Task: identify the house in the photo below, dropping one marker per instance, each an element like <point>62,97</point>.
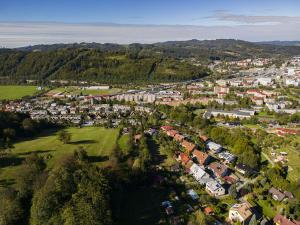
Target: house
<point>184,158</point>
<point>214,147</point>
<point>219,169</point>
<point>276,194</point>
<point>240,213</point>
<point>208,211</point>
<point>193,194</point>
<point>203,138</point>
<point>202,157</point>
<point>178,137</point>
<point>198,173</point>
<point>172,133</point>
<point>285,131</point>
<point>227,156</point>
<point>166,128</point>
<point>282,220</point>
<point>189,147</point>
<point>243,169</point>
<point>214,188</point>
<point>137,138</point>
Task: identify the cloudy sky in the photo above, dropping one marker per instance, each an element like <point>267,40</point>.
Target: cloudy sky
<point>28,22</point>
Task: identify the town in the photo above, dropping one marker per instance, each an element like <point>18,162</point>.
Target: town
<point>230,138</point>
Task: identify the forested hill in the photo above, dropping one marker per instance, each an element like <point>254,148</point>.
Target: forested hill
<point>159,62</point>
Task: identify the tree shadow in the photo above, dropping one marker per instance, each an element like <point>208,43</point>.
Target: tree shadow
<point>157,158</point>
<point>82,142</point>
<point>10,161</point>
<point>6,182</point>
<point>94,159</point>
<point>37,152</point>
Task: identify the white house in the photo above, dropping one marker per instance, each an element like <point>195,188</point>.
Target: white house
<point>215,188</point>
<point>199,174</point>
<point>240,213</point>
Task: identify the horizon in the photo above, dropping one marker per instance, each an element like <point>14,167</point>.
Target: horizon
<point>132,21</point>
<point>112,43</point>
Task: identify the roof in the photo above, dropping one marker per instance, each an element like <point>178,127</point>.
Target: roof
<point>244,167</point>
<point>213,145</point>
<point>166,128</point>
<point>218,168</point>
<point>208,210</point>
<point>184,157</point>
<point>282,220</point>
<point>201,156</point>
<point>203,137</point>
<point>278,194</point>
<point>188,146</point>
<point>179,137</point>
<point>243,209</point>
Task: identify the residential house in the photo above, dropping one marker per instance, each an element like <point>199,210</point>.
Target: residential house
<point>172,133</point>
<point>213,147</point>
<point>189,147</point>
<point>214,188</point>
<point>227,156</point>
<point>243,169</point>
<point>218,169</point>
<point>276,194</point>
<point>282,220</point>
<point>198,173</point>
<point>202,157</point>
<point>179,137</point>
<point>240,213</point>
<point>184,158</point>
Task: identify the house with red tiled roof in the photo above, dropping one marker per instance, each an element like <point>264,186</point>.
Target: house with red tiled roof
<point>282,220</point>
<point>166,128</point>
<point>172,133</point>
<point>189,147</point>
<point>202,157</point>
<point>203,137</point>
<point>184,158</point>
<point>179,137</point>
<point>220,170</point>
<point>286,131</point>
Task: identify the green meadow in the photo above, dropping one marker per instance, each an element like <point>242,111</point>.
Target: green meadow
<point>97,141</point>
<point>12,92</point>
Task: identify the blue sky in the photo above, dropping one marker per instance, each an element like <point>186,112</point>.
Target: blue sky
<point>95,20</point>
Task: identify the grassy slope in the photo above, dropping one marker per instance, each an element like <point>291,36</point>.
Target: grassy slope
<point>97,141</point>
<point>15,92</point>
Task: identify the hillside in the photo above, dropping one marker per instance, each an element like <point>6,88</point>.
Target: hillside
<point>112,63</point>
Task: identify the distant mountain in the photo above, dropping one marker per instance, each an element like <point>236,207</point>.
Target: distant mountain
<point>113,63</point>
<point>281,43</point>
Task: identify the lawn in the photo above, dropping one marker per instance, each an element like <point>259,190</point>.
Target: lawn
<point>266,208</point>
<point>12,92</point>
<point>97,141</point>
<point>78,90</point>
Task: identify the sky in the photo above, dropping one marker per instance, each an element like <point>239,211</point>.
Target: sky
<point>29,22</point>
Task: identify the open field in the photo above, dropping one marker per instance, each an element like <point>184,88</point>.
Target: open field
<point>12,92</point>
<point>97,141</point>
<point>78,90</point>
<point>293,157</point>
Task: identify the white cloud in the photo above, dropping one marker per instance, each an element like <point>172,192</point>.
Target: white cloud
<point>15,34</point>
<point>223,15</point>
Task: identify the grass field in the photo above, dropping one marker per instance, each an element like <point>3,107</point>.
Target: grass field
<point>78,90</point>
<point>12,92</point>
<point>98,142</point>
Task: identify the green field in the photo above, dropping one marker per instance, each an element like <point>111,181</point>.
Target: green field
<point>97,141</point>
<point>12,92</point>
<point>77,90</point>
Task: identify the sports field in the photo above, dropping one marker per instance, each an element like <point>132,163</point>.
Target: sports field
<point>12,92</point>
<point>97,141</point>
